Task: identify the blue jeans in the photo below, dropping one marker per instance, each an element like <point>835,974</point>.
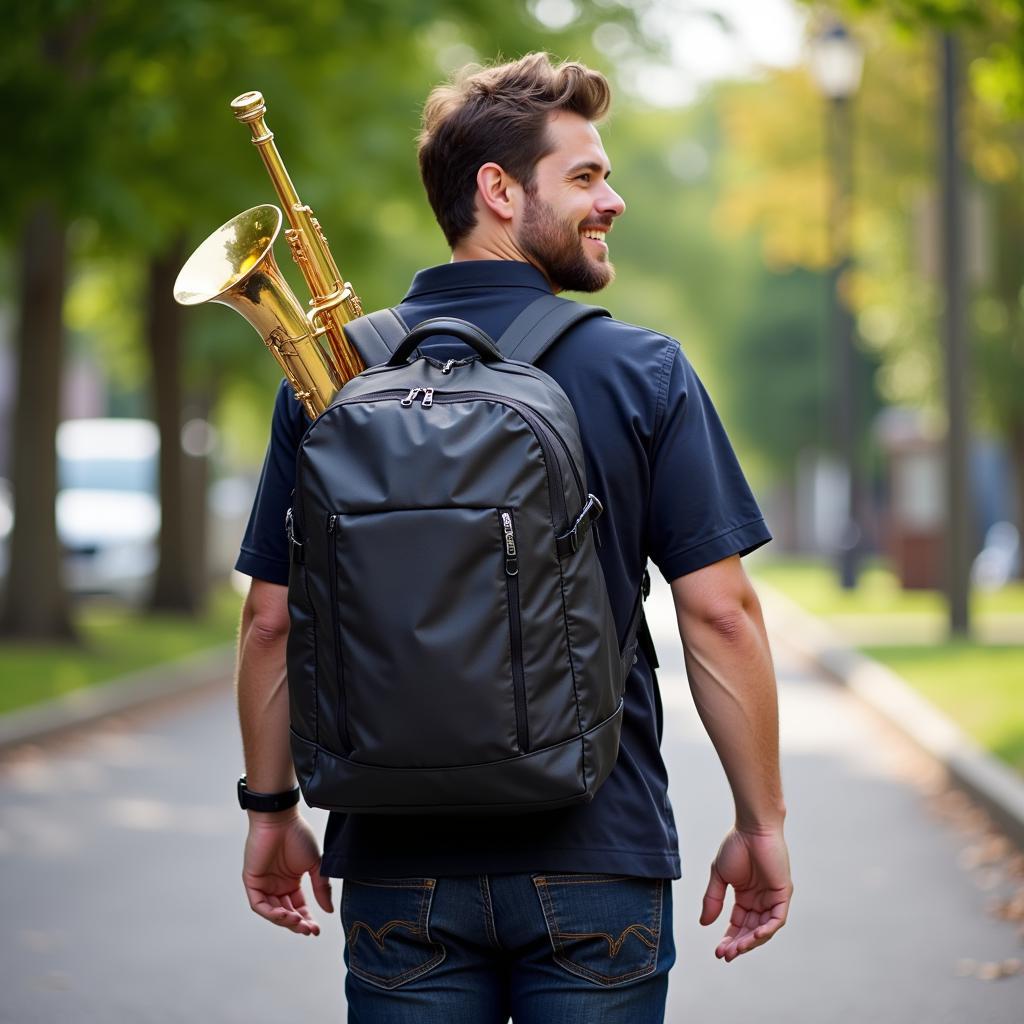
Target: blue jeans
<point>541,948</point>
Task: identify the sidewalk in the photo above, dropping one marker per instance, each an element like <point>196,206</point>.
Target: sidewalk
<point>91,703</point>
<point>828,646</point>
<point>881,630</point>
<point>121,851</point>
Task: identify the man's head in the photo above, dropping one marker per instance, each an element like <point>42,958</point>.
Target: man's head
<point>514,168</point>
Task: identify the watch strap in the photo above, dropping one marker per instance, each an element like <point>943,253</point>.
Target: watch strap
<point>267,802</point>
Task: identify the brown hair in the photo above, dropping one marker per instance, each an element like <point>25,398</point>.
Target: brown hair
<point>497,114</point>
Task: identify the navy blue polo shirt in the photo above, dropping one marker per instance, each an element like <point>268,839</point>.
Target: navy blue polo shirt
<point>658,458</point>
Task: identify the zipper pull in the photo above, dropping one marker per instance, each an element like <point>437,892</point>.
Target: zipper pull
<point>428,398</point>
<point>411,397</point>
<point>447,368</point>
<point>511,556</point>
<point>331,523</point>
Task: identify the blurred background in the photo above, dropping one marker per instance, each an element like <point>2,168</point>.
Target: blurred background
<point>825,207</point>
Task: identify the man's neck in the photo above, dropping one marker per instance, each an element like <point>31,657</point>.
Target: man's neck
<point>493,249</point>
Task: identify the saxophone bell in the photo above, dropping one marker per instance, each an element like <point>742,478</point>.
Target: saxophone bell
<point>235,267</point>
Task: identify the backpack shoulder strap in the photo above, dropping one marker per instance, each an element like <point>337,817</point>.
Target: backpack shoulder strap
<point>376,335</point>
<point>646,641</point>
<point>541,324</point>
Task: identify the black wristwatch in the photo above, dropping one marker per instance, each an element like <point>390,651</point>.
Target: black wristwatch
<point>250,801</point>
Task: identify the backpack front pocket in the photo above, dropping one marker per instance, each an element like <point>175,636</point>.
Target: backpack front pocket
<point>424,617</point>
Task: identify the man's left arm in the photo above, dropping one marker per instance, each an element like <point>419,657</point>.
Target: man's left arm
<point>280,847</point>
<point>729,667</point>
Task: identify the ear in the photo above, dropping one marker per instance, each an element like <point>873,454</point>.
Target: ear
<point>497,190</point>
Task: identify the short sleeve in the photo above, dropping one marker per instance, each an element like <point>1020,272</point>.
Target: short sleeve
<point>264,550</point>
<point>701,509</point>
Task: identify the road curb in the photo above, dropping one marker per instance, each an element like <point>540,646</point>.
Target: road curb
<point>984,777</point>
<point>123,694</point>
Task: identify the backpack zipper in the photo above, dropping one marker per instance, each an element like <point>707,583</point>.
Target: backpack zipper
<point>297,510</point>
<point>515,628</point>
<point>541,428</point>
<point>342,711</point>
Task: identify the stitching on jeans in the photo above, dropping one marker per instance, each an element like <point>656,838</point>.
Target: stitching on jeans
<point>551,921</point>
<point>606,979</point>
<point>615,945</point>
<point>396,883</point>
<point>568,880</point>
<point>379,936</point>
<point>420,930</point>
<point>411,975</point>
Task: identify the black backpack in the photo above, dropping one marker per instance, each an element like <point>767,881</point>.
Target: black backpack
<point>452,647</point>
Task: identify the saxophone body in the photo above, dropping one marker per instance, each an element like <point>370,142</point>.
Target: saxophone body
<point>235,267</point>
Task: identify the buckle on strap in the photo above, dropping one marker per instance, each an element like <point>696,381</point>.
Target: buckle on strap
<point>571,542</point>
<point>296,547</point>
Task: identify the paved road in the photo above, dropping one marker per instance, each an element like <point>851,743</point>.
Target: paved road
<point>120,852</point>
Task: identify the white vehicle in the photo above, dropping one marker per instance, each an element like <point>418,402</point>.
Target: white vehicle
<point>108,506</point>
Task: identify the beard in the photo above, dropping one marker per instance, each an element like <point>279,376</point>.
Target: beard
<point>557,246</point>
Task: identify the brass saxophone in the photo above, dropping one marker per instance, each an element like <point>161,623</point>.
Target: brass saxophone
<point>235,266</point>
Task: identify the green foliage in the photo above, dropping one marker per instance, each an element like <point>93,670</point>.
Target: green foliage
<point>117,640</point>
<point>992,29</point>
<point>776,190</point>
<point>140,107</point>
<point>128,130</point>
<point>979,686</point>
<point>949,14</point>
<point>878,595</point>
<point>778,368</point>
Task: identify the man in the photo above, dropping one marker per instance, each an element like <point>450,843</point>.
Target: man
<point>564,914</point>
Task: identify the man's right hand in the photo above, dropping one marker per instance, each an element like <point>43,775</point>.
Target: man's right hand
<point>756,865</point>
<point>279,850</point>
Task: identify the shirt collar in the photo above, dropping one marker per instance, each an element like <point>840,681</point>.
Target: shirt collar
<point>477,274</point>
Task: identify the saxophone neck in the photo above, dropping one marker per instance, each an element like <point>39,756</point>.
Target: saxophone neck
<point>250,109</point>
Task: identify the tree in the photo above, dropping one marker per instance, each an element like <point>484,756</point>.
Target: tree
<point>46,66</point>
<point>776,191</point>
<point>130,129</point>
<point>992,35</point>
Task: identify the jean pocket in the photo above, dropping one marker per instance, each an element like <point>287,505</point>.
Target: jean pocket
<point>387,929</point>
<point>604,928</point>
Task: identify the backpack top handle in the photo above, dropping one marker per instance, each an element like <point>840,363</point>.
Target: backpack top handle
<point>450,327</point>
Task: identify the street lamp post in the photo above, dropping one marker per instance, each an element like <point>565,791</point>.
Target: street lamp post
<point>836,62</point>
<point>958,494</point>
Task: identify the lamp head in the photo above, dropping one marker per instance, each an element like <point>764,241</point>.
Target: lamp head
<point>836,61</point>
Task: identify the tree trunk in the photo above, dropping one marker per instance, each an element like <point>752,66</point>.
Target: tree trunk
<point>174,589</point>
<point>1015,436</point>
<point>197,473</point>
<point>36,605</point>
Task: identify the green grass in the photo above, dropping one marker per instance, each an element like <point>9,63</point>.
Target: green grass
<point>813,584</point>
<point>980,687</point>
<point>115,640</point>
